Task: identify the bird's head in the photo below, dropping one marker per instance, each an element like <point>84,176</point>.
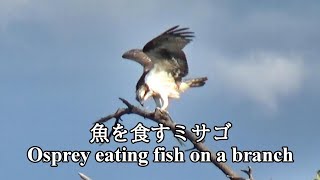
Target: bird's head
<point>132,54</point>
<point>139,56</point>
<point>141,93</point>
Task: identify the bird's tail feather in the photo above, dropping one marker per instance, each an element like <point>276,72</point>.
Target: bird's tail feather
<point>196,82</point>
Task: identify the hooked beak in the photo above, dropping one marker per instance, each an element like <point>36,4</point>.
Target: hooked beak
<point>140,102</point>
<point>125,55</point>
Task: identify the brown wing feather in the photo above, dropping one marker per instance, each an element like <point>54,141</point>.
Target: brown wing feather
<point>166,50</point>
<point>174,39</point>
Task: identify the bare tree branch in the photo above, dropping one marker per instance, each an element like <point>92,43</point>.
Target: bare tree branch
<point>248,172</point>
<point>83,176</point>
<point>166,120</point>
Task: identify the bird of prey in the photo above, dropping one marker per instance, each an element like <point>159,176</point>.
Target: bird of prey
<point>164,65</point>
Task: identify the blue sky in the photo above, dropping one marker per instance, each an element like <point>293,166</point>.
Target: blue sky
<point>61,69</point>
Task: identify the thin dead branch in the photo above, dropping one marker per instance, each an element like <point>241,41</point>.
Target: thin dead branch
<point>165,119</point>
<point>83,176</point>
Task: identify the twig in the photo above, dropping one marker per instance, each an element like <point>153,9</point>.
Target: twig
<point>167,121</point>
<point>83,176</point>
<point>248,172</point>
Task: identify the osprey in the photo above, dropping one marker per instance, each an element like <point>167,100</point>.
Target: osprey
<point>164,65</point>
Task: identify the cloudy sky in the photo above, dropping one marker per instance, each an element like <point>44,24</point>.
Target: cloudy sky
<point>61,69</point>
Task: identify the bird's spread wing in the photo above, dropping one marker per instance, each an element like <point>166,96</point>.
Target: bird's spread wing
<point>166,51</point>
<point>174,39</point>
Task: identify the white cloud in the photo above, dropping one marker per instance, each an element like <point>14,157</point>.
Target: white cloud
<point>9,10</point>
<point>264,78</point>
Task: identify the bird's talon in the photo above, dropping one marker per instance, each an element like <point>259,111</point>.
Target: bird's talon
<point>162,111</point>
<point>165,111</point>
<point>158,109</point>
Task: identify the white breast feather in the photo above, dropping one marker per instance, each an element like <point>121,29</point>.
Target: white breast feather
<point>162,82</point>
